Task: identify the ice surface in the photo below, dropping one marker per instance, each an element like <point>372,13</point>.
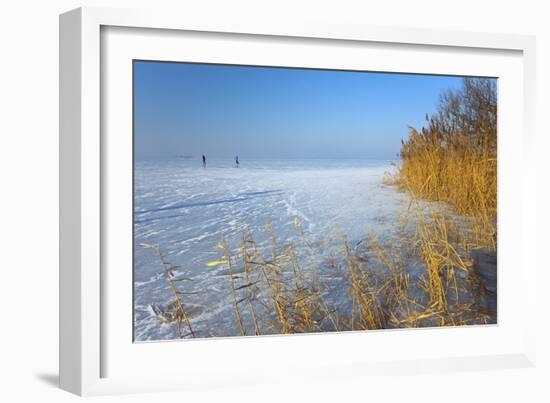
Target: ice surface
<point>184,208</point>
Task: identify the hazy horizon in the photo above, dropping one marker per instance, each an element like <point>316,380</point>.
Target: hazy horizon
<point>248,157</point>
<point>188,109</point>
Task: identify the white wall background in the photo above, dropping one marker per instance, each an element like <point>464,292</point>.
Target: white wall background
<point>29,196</point>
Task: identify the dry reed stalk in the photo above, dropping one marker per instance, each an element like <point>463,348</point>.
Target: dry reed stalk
<point>363,293</point>
<point>229,258</point>
<point>179,313</point>
<point>250,292</point>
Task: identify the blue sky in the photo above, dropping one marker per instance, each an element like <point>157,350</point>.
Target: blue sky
<point>260,112</point>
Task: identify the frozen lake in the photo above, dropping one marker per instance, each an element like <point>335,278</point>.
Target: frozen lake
<point>185,208</point>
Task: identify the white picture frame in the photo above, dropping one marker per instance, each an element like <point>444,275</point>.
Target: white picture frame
<point>93,350</point>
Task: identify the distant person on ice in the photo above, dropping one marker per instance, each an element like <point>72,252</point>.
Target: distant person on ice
<point>237,160</point>
<point>203,161</point>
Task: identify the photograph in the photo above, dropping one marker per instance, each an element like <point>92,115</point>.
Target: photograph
<point>284,200</point>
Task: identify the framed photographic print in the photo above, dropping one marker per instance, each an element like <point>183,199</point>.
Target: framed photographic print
<point>242,201</point>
